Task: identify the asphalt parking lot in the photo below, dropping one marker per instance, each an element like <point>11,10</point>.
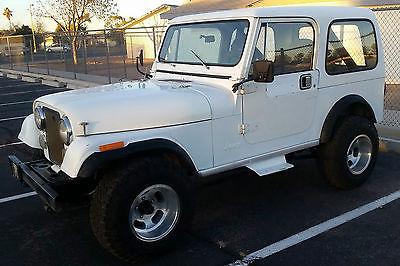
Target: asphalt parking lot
<point>237,214</point>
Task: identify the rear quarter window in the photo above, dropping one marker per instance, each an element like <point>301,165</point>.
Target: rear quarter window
<point>351,47</point>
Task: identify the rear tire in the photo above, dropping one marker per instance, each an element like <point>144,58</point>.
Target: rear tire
<point>348,159</point>
<point>142,209</point>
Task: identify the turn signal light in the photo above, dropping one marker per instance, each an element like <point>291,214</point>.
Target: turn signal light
<point>111,146</point>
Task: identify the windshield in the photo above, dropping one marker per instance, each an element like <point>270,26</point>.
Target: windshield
<point>215,43</point>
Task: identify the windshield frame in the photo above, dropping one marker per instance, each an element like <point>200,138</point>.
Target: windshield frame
<point>160,60</point>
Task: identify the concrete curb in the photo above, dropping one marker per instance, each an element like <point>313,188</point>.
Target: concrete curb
<point>389,139</point>
<point>49,80</point>
<point>389,145</point>
<point>389,132</point>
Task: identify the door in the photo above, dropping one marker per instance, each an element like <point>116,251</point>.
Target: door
<point>286,106</point>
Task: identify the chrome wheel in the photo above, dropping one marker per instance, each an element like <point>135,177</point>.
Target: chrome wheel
<point>154,212</point>
<point>359,154</point>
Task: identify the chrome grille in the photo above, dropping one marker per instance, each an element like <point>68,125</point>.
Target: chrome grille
<point>54,141</point>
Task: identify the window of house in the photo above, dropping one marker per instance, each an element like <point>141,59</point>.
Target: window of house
<point>289,45</point>
<point>351,47</point>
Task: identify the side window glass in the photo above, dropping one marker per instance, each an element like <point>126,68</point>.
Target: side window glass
<point>351,47</point>
<point>172,52</point>
<point>289,45</point>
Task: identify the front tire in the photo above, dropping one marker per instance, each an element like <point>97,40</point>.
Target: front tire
<point>142,209</point>
<point>348,159</point>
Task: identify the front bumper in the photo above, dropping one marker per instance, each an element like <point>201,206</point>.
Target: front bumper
<point>55,189</point>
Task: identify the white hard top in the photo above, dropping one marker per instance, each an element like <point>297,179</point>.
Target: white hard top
<point>316,12</point>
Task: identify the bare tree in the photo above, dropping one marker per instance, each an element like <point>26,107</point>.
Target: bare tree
<point>39,27</point>
<point>73,15</point>
<point>115,21</point>
<point>8,14</point>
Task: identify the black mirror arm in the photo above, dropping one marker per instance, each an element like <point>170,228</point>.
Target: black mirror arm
<point>235,87</point>
<point>141,72</point>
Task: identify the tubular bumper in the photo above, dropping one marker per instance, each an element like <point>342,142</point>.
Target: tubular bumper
<point>38,175</point>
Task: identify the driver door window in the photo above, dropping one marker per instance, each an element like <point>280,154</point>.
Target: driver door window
<point>289,45</point>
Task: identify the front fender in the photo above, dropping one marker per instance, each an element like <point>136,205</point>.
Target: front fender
<point>29,133</point>
<point>191,143</point>
<point>99,159</point>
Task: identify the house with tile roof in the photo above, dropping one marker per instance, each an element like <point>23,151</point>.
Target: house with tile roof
<point>200,6</point>
<point>145,33</point>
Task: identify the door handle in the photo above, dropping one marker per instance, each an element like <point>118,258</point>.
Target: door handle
<point>305,82</point>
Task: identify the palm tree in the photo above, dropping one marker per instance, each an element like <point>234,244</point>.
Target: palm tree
<point>8,14</point>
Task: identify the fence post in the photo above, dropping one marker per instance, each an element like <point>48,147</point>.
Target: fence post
<point>131,49</point>
<point>63,54</point>
<point>92,49</point>
<point>26,56</point>
<point>31,50</point>
<point>124,55</point>
<point>85,53</point>
<point>45,54</point>
<point>107,56</point>
<point>9,53</point>
<point>154,42</point>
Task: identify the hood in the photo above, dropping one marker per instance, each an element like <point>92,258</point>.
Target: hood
<point>130,106</point>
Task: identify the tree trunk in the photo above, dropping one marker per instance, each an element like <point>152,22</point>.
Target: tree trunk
<point>73,43</point>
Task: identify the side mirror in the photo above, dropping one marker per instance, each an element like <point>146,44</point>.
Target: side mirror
<point>139,60</point>
<point>263,71</point>
<point>141,57</point>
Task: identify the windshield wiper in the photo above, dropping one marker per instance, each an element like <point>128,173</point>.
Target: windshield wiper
<point>201,60</point>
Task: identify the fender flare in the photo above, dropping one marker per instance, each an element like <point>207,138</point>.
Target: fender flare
<point>348,105</point>
<point>100,159</point>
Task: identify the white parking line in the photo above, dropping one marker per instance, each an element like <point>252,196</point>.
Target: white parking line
<point>20,196</point>
<point>316,230</point>
<point>20,85</point>
<point>15,103</point>
<point>12,118</point>
<point>23,92</point>
<point>10,144</point>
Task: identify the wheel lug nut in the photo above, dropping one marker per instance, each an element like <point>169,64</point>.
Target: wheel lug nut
<point>143,198</point>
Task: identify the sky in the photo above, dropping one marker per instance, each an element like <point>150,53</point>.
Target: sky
<point>127,8</point>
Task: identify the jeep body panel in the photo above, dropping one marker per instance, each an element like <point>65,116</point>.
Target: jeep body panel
<point>29,133</point>
<point>172,105</point>
<point>200,150</point>
<point>194,107</point>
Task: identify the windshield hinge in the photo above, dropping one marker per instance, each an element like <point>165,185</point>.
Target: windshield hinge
<point>242,129</point>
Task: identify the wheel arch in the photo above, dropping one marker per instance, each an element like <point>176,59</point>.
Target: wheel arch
<point>348,105</point>
<point>168,149</point>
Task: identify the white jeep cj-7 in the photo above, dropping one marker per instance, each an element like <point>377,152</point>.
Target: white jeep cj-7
<point>240,88</point>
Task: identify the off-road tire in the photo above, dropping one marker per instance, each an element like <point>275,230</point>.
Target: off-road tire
<point>332,157</point>
<point>111,203</point>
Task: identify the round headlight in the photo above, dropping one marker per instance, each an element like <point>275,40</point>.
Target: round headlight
<point>40,119</point>
<point>65,130</point>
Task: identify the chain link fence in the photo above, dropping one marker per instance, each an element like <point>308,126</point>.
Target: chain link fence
<point>100,55</point>
<point>389,19</point>
<point>110,55</point>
